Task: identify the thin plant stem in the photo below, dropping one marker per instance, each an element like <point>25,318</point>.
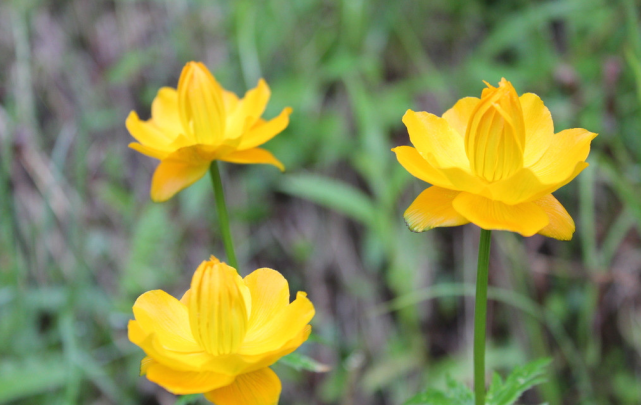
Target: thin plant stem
<point>480,316</point>
<point>223,217</point>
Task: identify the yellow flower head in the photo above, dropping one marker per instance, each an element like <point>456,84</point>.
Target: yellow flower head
<point>493,161</point>
<point>221,337</point>
<point>201,122</point>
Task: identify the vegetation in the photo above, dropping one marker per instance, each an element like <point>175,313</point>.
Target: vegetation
<point>80,238</point>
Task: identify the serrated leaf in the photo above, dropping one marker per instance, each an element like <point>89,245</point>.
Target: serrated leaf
<point>520,380</point>
<point>457,394</point>
<point>302,362</point>
<point>430,397</point>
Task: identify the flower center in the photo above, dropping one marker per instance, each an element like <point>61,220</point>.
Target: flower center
<point>495,137</point>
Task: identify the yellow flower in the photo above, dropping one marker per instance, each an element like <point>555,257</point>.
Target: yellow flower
<point>221,337</point>
<point>201,122</point>
<point>494,162</point>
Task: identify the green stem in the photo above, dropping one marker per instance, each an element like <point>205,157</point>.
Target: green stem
<point>480,316</point>
<point>223,217</point>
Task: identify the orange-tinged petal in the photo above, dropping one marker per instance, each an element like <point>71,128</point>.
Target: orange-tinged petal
<point>539,128</point>
<point>284,326</point>
<point>459,116</point>
<point>462,179</point>
<point>495,137</point>
<point>177,172</point>
<point>239,363</point>
<point>185,298</point>
<point>149,151</point>
<point>248,110</point>
<point>159,313</point>
<point>525,218</point>
<point>219,308</point>
<point>135,333</point>
<point>433,208</point>
<point>526,186</point>
<point>230,99</point>
<point>432,135</point>
<point>561,225</point>
<point>420,168</point>
<point>262,132</point>
<point>148,133</point>
<point>261,387</point>
<point>253,156</point>
<point>200,105</point>
<point>567,149</point>
<point>150,344</point>
<point>186,382</point>
<point>164,111</point>
<point>269,295</point>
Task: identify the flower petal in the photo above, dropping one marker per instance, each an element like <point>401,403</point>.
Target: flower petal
<point>462,179</point>
<point>231,101</point>
<point>269,295</point>
<point>525,218</point>
<point>420,168</point>
<point>561,225</point>
<point>261,387</point>
<point>287,324</point>
<point>432,208</point>
<point>178,171</point>
<point>219,308</point>
<point>459,116</point>
<point>149,342</point>
<point>432,135</point>
<point>200,104</point>
<point>186,382</point>
<point>148,133</point>
<point>164,111</point>
<point>160,313</point>
<point>144,364</point>
<point>253,156</point>
<point>526,186</point>
<point>539,128</point>
<point>149,151</point>
<point>239,363</point>
<point>262,132</point>
<point>248,110</point>
<point>495,137</point>
<point>567,149</point>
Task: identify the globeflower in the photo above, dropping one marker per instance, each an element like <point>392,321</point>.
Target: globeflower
<point>221,337</point>
<point>201,122</point>
<point>493,161</point>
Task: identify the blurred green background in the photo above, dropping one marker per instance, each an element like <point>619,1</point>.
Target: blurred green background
<point>80,238</point>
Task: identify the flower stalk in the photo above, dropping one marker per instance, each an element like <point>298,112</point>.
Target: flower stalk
<point>223,216</point>
<point>480,316</point>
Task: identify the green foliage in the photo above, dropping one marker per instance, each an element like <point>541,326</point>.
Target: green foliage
<point>500,392</point>
<point>455,394</point>
<point>189,399</point>
<point>301,362</point>
<point>79,238</point>
<point>31,376</point>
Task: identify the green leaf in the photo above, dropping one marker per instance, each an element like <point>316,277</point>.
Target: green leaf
<point>19,379</point>
<point>302,362</point>
<point>500,393</point>
<point>520,380</point>
<point>188,399</point>
<point>457,394</point>
<point>332,194</point>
